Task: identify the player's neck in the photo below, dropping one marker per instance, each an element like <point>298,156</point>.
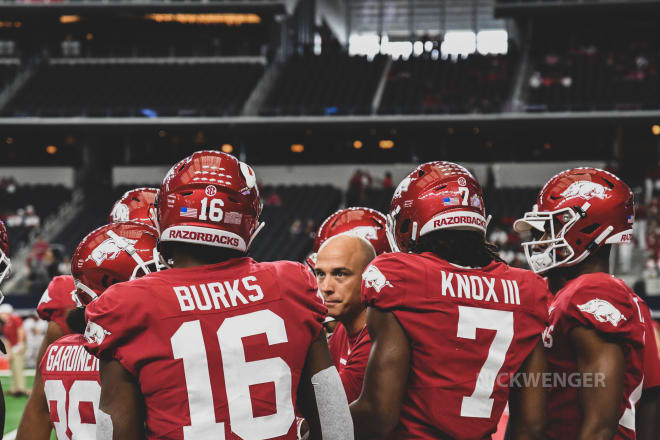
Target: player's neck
<point>184,261</point>
<point>594,264</point>
<point>355,324</point>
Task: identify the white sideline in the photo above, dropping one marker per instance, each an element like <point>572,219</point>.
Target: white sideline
<point>7,373</point>
<point>10,435</point>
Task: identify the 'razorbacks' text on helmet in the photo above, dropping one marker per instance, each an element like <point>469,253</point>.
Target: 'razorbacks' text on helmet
<point>135,205</point>
<point>209,198</point>
<point>5,263</point>
<point>436,195</point>
<point>112,254</point>
<point>361,222</point>
<point>577,212</point>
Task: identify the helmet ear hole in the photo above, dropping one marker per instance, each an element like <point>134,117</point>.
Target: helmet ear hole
<point>590,229</point>
<point>405,225</point>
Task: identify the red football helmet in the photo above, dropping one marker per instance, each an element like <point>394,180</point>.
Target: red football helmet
<point>135,205</point>
<point>5,263</point>
<point>112,254</point>
<point>577,212</point>
<point>362,222</point>
<point>210,198</point>
<point>436,195</point>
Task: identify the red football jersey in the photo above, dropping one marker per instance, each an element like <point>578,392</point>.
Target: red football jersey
<point>470,331</point>
<point>651,357</point>
<point>57,300</point>
<point>218,350</point>
<point>72,387</point>
<point>350,355</point>
<point>606,304</point>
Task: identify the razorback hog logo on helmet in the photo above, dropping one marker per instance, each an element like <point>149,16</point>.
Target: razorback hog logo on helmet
<point>107,250</point>
<point>94,333</point>
<point>375,279</point>
<point>120,213</point>
<point>403,186</point>
<point>366,232</point>
<point>603,311</point>
<point>585,190</point>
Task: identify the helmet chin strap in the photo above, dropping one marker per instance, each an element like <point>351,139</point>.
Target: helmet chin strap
<point>593,246</point>
<point>154,218</point>
<point>87,290</point>
<point>390,229</point>
<point>254,234</point>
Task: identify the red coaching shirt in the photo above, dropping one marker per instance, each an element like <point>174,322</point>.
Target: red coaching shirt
<point>350,355</point>
<point>57,300</point>
<point>72,388</point>
<point>606,304</point>
<point>470,331</point>
<point>10,329</point>
<point>218,350</point>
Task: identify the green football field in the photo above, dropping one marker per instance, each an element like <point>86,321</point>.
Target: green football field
<point>15,406</point>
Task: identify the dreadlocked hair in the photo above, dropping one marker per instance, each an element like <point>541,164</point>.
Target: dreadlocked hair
<point>461,247</point>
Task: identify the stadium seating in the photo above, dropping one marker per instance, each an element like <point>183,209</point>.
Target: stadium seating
<point>7,72</point>
<point>307,203</point>
<point>422,85</point>
<point>591,70</point>
<point>144,89</point>
<point>325,85</point>
<point>46,200</point>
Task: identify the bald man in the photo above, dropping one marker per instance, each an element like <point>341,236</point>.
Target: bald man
<point>339,266</point>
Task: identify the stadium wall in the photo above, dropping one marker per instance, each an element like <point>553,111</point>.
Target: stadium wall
<point>335,175</point>
<point>506,174</point>
<point>40,175</point>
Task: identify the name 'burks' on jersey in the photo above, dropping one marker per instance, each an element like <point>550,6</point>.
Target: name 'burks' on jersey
<point>218,295</point>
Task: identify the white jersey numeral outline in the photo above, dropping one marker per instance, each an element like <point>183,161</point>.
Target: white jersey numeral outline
<point>479,403</point>
<point>188,345</point>
<point>80,391</point>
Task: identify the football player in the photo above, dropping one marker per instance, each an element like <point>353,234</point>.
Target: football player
<point>59,299</point>
<point>451,324</point>
<point>5,269</point>
<point>219,346</point>
<point>596,325</point>
<point>647,426</point>
<point>69,396</point>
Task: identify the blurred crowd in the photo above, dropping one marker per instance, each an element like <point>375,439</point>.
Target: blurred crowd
<point>44,262</point>
<point>22,338</point>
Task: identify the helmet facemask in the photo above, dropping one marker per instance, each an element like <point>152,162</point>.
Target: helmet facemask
<point>551,249</point>
<point>5,270</point>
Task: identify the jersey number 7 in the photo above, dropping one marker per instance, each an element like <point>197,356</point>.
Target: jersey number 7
<point>480,404</point>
